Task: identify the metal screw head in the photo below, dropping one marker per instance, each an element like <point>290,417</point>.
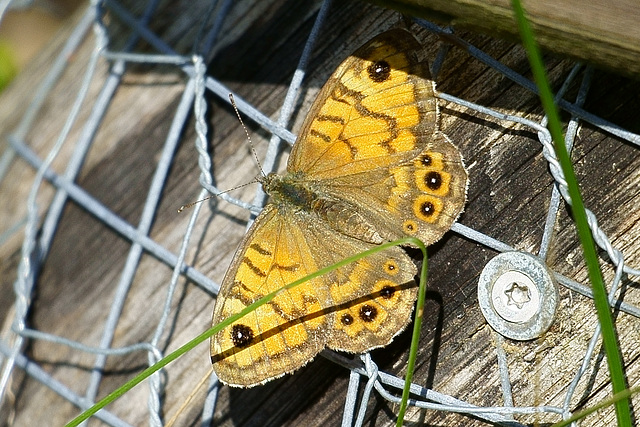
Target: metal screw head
<point>517,295</point>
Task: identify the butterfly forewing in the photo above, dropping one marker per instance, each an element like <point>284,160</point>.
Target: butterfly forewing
<point>274,339</point>
<point>360,306</point>
<point>368,114</point>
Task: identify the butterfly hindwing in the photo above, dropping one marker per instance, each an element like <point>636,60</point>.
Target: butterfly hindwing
<point>420,197</point>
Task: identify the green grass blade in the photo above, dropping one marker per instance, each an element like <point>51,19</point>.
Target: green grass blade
<point>415,338</point>
<point>603,310</point>
<point>623,395</point>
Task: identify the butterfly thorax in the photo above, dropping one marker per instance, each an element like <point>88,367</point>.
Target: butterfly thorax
<point>305,197</point>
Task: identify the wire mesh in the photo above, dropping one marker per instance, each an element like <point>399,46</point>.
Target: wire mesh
<point>41,224</point>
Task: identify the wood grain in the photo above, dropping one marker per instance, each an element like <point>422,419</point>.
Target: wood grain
<point>508,199</point>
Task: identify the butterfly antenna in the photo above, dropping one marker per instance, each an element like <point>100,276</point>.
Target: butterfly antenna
<point>246,131</point>
<point>256,180</point>
<point>189,205</point>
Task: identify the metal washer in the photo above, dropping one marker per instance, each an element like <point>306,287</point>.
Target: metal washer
<point>518,295</point>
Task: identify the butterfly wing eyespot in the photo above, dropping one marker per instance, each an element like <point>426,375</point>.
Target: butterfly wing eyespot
<point>241,335</point>
<point>370,165</point>
<point>379,71</point>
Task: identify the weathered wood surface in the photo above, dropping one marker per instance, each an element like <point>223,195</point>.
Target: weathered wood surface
<point>601,32</point>
<point>508,198</point>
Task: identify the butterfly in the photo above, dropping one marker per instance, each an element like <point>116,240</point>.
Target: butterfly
<point>369,166</point>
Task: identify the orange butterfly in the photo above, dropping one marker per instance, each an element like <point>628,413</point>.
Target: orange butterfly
<point>369,166</point>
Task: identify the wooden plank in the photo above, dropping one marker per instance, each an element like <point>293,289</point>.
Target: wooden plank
<point>601,32</point>
<point>508,198</point>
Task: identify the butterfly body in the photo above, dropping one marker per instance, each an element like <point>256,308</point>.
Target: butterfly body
<point>307,199</point>
<point>369,166</point>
